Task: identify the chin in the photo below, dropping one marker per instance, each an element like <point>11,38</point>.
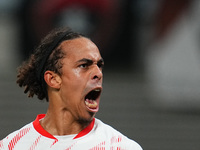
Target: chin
<point>87,120</point>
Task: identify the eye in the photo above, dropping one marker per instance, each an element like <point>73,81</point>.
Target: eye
<point>83,66</point>
<point>100,65</point>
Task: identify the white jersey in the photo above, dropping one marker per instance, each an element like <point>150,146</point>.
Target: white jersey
<point>96,136</point>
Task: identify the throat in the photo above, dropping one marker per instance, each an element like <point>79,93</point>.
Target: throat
<point>60,126</point>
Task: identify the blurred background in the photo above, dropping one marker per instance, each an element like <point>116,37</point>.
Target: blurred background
<point>152,55</point>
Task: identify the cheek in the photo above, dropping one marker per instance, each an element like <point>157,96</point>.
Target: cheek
<point>73,81</point>
<point>77,73</point>
<point>70,76</point>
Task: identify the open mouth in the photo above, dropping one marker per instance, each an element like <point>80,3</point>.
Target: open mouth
<point>91,99</point>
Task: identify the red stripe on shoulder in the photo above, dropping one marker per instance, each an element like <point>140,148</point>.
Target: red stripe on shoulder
<point>1,144</point>
<point>17,137</point>
<point>40,129</point>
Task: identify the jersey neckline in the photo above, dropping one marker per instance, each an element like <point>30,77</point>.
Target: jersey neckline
<point>43,132</point>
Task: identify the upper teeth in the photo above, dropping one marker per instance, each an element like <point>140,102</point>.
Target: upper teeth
<point>97,90</point>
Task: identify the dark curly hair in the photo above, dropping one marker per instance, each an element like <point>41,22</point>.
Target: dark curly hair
<point>47,56</point>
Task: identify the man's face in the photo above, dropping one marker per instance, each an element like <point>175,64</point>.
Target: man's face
<point>81,78</point>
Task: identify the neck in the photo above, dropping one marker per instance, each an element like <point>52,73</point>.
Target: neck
<point>60,122</point>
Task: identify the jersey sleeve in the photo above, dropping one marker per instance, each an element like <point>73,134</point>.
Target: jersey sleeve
<point>129,144</point>
<point>3,144</point>
<point>133,145</point>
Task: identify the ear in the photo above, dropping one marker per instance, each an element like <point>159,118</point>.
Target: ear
<point>52,79</point>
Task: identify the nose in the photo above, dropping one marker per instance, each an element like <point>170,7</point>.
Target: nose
<point>97,73</point>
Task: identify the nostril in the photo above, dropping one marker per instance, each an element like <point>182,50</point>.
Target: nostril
<point>97,77</point>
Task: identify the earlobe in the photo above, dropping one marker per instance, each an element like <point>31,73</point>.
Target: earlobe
<point>52,79</point>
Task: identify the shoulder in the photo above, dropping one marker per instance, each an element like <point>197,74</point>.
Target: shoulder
<point>116,138</point>
<point>15,136</point>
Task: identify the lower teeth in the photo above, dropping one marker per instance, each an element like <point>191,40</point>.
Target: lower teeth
<point>92,105</point>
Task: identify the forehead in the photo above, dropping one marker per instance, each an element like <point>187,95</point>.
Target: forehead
<point>80,48</point>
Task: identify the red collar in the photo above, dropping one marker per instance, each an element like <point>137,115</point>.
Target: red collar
<point>39,129</point>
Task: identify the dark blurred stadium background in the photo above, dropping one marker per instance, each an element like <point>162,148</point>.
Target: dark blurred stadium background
<point>152,55</point>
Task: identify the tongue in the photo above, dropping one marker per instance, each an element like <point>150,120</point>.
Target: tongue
<point>91,104</point>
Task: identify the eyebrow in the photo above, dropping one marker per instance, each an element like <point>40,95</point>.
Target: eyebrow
<point>89,61</point>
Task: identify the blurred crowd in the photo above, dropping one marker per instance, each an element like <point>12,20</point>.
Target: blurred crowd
<point>122,29</point>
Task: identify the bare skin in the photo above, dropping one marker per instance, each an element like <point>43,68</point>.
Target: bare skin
<point>69,110</point>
